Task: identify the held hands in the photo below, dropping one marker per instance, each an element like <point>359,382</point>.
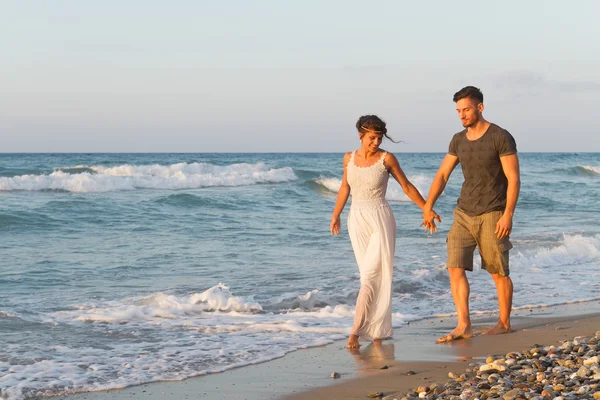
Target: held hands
<point>334,226</point>
<point>504,226</point>
<point>429,217</point>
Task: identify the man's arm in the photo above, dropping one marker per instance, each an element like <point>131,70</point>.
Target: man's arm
<point>510,166</point>
<point>439,183</point>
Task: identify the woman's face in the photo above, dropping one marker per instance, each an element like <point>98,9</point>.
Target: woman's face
<point>371,141</point>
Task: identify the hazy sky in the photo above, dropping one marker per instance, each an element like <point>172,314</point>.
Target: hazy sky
<point>261,76</point>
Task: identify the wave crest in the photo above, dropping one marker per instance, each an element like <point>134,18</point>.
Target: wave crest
<point>130,177</point>
<point>160,306</point>
<point>572,250</point>
<point>588,170</point>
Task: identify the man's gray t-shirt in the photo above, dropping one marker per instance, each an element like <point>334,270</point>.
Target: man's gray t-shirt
<point>484,188</point>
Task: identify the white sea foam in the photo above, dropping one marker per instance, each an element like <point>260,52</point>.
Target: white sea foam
<point>331,184</point>
<point>309,300</point>
<point>573,249</point>
<point>6,314</point>
<point>395,192</point>
<point>595,170</point>
<point>219,298</point>
<point>131,177</point>
<point>160,306</point>
<point>157,327</point>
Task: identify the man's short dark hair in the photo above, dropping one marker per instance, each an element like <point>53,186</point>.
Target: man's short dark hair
<point>471,92</point>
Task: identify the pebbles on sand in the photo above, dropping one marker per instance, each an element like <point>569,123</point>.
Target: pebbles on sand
<point>570,371</point>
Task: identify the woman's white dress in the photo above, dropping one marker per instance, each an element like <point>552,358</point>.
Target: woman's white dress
<point>372,229</point>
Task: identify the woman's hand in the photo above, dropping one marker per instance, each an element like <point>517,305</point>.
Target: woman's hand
<point>429,217</point>
<point>334,226</point>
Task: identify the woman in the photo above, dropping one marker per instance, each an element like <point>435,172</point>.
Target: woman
<point>372,227</point>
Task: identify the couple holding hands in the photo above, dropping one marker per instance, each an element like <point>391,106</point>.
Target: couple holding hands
<point>483,216</point>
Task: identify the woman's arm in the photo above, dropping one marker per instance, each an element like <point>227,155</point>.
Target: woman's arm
<point>342,198</point>
<point>393,166</point>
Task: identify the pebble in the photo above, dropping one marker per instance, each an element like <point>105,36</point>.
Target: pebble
<point>335,375</point>
<point>570,371</point>
<point>422,389</point>
<point>591,361</point>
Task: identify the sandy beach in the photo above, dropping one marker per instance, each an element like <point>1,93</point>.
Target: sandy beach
<point>306,374</point>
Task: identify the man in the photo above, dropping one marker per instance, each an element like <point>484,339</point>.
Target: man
<point>485,208</point>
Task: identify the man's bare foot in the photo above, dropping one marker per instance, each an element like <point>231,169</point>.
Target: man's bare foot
<point>353,342</point>
<point>499,329</point>
<point>456,334</point>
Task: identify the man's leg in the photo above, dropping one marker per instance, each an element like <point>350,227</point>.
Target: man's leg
<point>461,290</point>
<point>495,259</point>
<point>504,288</point>
<point>461,245</point>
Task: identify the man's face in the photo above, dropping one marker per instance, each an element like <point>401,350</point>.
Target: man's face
<point>468,111</point>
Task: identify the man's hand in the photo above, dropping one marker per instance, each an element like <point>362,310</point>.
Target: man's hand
<point>504,226</point>
<point>429,217</point>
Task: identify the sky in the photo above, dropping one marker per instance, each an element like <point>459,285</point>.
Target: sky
<point>293,76</point>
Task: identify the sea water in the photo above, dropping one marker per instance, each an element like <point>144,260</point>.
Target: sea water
<point>120,269</point>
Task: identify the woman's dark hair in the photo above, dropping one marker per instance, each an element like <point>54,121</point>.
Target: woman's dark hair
<point>471,92</point>
<point>372,123</point>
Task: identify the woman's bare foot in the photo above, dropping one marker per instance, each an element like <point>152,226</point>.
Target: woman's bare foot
<point>456,334</point>
<point>499,329</point>
<point>376,342</point>
<point>353,342</point>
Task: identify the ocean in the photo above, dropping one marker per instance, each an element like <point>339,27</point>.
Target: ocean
<point>121,269</point>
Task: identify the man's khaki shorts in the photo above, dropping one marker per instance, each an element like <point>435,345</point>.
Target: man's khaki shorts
<point>468,232</point>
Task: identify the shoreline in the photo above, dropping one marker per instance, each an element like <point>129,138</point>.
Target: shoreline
<point>306,373</point>
<point>543,329</point>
